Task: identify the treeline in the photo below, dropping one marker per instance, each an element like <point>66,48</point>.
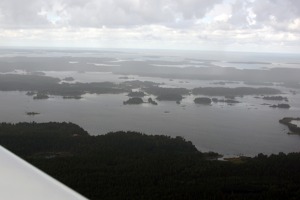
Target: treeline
<point>52,86</point>
<point>130,165</point>
<point>238,91</point>
<point>41,86</point>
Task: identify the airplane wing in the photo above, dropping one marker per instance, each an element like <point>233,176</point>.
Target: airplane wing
<point>20,180</point>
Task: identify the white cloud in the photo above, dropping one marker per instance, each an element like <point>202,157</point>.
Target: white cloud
<point>96,13</point>
<point>189,24</point>
<point>294,25</point>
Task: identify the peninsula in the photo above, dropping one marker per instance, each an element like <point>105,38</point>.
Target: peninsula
<point>131,165</point>
<point>288,121</point>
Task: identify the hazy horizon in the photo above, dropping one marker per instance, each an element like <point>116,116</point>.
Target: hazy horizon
<point>69,48</point>
<point>218,25</point>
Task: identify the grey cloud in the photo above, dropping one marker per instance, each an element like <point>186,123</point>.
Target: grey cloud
<point>15,13</point>
<point>240,14</point>
<point>123,13</point>
<point>282,10</point>
<point>258,14</point>
<point>278,14</point>
<point>136,12</point>
<point>179,22</point>
<point>98,13</point>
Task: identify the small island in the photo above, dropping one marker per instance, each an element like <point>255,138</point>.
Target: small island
<point>151,101</point>
<point>167,94</point>
<point>215,100</point>
<point>69,79</point>
<point>32,113</point>
<point>275,98</point>
<point>281,105</point>
<point>288,121</point>
<point>134,100</point>
<point>203,100</point>
<point>41,96</point>
<point>30,93</point>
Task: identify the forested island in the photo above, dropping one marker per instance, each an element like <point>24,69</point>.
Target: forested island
<point>131,165</point>
<point>167,94</point>
<point>41,96</point>
<point>281,105</point>
<point>134,100</point>
<point>238,91</point>
<point>151,101</point>
<point>40,87</point>
<point>203,100</point>
<point>276,98</point>
<point>43,86</point>
<point>32,113</point>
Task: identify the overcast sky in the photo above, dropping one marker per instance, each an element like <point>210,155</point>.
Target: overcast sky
<point>229,25</point>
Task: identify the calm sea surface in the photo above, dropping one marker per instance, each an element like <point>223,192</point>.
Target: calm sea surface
<point>246,128</point>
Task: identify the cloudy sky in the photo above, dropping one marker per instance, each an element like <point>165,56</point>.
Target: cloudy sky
<point>230,25</point>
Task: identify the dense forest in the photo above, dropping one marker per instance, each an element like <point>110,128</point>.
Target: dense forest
<point>130,165</point>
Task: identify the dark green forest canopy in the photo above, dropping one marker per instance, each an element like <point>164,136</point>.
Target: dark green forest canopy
<point>131,165</point>
<point>49,129</point>
<point>55,137</point>
<point>203,100</point>
<point>134,100</point>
